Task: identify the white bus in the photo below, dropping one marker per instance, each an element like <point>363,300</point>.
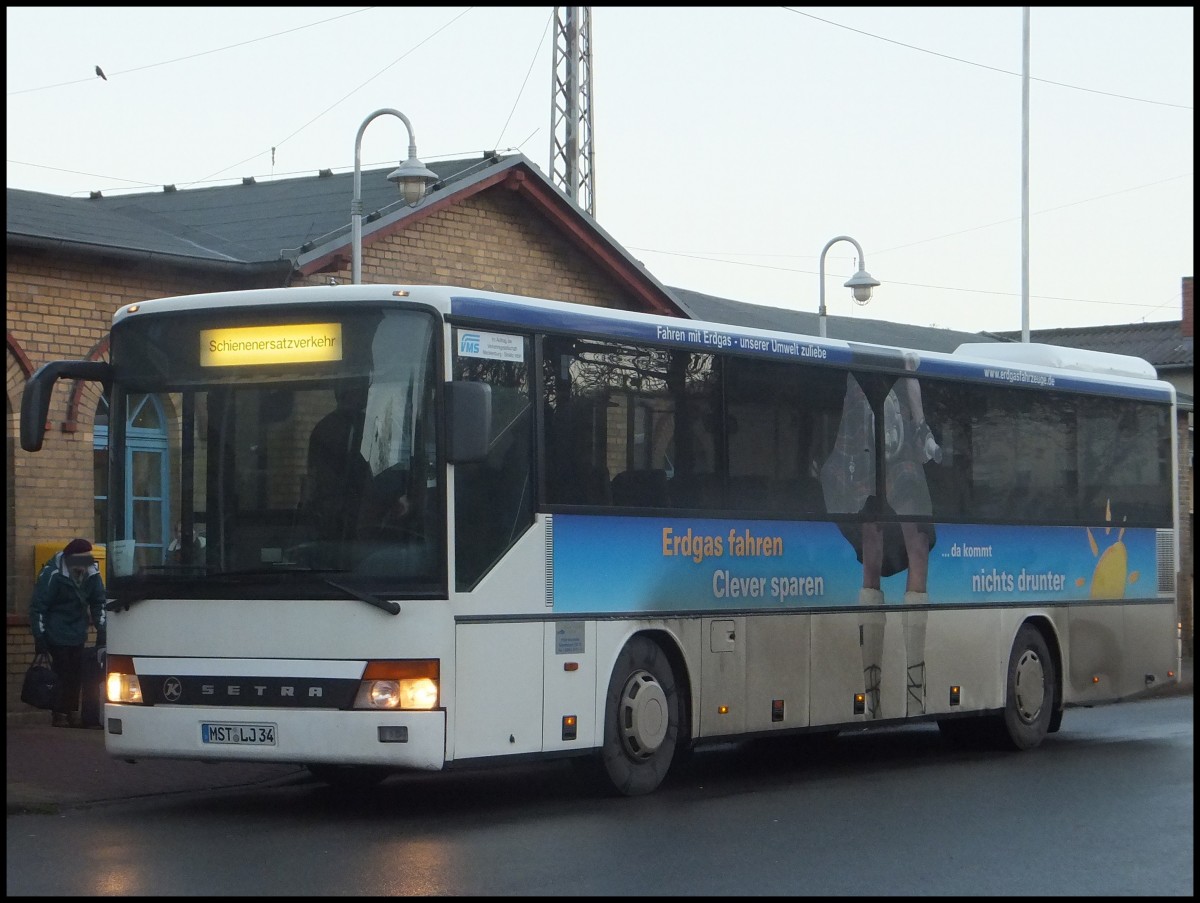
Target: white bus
<point>434,527</point>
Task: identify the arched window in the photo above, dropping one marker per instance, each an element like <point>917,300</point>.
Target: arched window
<point>147,514</point>
<point>146,475</point>
<point>100,472</point>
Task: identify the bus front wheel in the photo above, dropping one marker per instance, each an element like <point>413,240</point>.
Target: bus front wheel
<point>641,720</point>
<point>1031,690</point>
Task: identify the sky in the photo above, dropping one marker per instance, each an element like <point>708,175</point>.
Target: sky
<point>731,144</point>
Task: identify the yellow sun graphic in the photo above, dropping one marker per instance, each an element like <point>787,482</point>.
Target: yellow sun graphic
<point>1112,570</point>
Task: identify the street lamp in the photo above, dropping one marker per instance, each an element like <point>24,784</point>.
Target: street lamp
<point>860,283</point>
<point>411,177</point>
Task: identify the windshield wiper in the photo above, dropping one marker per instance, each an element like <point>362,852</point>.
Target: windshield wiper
<point>392,608</point>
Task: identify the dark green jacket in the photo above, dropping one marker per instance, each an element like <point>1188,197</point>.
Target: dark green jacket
<point>59,609</point>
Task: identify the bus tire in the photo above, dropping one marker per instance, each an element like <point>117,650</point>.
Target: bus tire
<point>348,777</point>
<point>1031,691</point>
<point>641,719</point>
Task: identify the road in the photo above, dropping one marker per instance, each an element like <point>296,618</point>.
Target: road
<point>1105,807</point>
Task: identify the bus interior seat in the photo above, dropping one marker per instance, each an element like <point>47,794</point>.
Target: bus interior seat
<point>597,489</point>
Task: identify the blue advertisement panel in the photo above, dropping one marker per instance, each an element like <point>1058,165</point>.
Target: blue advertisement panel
<point>617,564</point>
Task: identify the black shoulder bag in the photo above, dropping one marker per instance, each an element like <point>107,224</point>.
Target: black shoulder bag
<point>40,683</point>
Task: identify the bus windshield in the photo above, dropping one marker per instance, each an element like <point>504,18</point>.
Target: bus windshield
<point>300,473</point>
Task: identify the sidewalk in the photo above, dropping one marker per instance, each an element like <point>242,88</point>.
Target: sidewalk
<point>60,768</point>
<point>54,768</point>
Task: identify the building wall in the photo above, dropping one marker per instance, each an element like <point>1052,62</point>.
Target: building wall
<point>494,241</point>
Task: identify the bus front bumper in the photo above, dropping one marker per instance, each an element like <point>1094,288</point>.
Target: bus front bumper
<point>399,740</point>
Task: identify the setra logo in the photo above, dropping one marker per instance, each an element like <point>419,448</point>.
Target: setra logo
<point>468,343</point>
<point>172,689</point>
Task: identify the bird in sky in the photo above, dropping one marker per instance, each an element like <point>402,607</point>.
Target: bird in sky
<point>100,72</point>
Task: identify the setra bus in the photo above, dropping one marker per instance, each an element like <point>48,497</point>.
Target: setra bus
<point>433,527</point>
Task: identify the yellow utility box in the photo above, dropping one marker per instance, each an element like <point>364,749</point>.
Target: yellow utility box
<point>44,551</point>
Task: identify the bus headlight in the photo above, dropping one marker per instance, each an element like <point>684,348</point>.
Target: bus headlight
<point>392,685</point>
<point>122,684</point>
<point>381,694</point>
<point>418,693</point>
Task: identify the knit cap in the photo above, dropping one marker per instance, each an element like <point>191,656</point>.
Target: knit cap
<point>78,552</point>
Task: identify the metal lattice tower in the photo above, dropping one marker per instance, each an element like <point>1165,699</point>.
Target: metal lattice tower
<point>572,154</point>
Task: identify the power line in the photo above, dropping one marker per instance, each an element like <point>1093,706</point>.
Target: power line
<point>90,175</point>
<point>1002,222</point>
<point>956,59</point>
<point>944,288</point>
<point>922,241</point>
<point>341,100</point>
<point>140,184</point>
<point>529,72</point>
<point>710,259</point>
<point>192,56</point>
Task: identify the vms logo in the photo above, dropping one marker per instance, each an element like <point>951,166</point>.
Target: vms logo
<point>468,343</point>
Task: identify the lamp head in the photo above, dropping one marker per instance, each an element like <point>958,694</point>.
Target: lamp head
<point>412,178</point>
<point>860,285</point>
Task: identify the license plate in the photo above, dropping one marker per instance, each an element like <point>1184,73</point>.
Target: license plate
<point>235,733</point>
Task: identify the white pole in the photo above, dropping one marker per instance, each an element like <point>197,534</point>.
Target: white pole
<point>1025,176</point>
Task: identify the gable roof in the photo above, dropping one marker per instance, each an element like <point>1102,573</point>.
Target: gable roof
<point>303,222</point>
<point>1162,344</point>
<point>254,222</point>
<point>851,329</point>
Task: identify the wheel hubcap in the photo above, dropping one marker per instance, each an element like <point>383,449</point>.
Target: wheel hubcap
<point>1031,686</point>
<point>643,715</point>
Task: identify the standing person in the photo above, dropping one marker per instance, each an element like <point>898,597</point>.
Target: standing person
<point>68,590</point>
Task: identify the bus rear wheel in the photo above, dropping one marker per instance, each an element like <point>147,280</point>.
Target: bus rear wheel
<point>641,720</point>
<point>1031,691</point>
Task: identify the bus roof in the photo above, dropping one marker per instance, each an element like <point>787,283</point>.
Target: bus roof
<point>1028,364</point>
<point>1060,357</point>
<point>1043,366</point>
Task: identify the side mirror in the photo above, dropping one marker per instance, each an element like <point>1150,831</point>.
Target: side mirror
<point>468,421</point>
<point>35,400</point>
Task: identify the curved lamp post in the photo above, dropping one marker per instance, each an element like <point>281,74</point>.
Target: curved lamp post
<point>411,177</point>
<point>860,283</point>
